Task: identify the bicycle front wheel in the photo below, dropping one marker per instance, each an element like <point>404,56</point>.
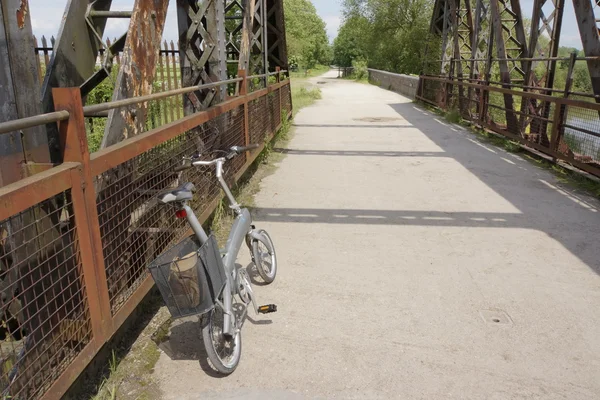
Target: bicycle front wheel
<point>264,259</point>
<point>223,352</point>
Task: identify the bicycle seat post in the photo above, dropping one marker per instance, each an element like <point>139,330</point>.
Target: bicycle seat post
<point>194,223</point>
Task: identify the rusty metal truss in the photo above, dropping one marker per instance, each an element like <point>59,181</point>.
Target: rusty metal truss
<point>479,36</point>
<point>77,229</point>
<point>502,78</point>
<point>211,34</point>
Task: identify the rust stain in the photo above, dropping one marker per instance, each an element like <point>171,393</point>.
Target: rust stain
<point>22,12</point>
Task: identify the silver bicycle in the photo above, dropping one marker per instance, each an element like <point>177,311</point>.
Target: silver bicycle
<point>196,278</point>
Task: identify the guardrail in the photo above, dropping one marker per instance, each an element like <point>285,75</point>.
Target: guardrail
<point>75,239</point>
<point>406,85</point>
<point>563,128</point>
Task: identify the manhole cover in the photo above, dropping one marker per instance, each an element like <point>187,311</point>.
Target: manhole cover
<point>495,317</point>
<point>377,119</point>
<point>321,83</point>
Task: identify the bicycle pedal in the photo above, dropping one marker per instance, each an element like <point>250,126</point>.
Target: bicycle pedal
<point>268,309</point>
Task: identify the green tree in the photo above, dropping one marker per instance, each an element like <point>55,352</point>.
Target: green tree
<point>352,41</point>
<point>582,82</point>
<point>391,34</point>
<point>306,33</point>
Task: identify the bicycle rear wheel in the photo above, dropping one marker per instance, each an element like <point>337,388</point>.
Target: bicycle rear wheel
<point>223,352</point>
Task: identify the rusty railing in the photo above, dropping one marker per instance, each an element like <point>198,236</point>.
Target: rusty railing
<point>75,239</point>
<point>558,122</point>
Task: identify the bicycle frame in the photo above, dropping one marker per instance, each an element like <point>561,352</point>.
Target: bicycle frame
<point>242,231</point>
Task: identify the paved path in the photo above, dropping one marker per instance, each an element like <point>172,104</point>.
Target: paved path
<point>415,263</point>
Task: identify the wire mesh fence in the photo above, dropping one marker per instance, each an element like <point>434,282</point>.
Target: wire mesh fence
<point>45,315</point>
<point>53,246</point>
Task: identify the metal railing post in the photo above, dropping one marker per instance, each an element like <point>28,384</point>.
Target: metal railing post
<point>75,149</point>
<point>558,129</point>
<point>244,92</point>
<point>278,70</point>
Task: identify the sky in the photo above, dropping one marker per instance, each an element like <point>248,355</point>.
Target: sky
<point>46,17</point>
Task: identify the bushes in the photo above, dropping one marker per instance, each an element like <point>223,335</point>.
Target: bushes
<point>361,71</point>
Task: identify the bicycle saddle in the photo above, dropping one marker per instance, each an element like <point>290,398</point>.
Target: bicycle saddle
<point>182,193</point>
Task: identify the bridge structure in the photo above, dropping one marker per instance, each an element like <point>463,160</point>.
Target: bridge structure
<point>78,223</point>
<point>498,69</point>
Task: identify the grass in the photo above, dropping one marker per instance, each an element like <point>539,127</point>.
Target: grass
<point>304,93</point>
<point>364,79</point>
<point>303,96</point>
<point>453,116</point>
<point>129,376</point>
<point>132,358</point>
<point>310,73</point>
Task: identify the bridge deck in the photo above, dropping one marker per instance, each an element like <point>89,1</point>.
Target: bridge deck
<point>415,263</point>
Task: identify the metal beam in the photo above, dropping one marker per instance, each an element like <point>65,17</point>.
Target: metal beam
<point>511,119</point>
<point>590,37</point>
<point>276,37</point>
<point>202,50</point>
<point>19,93</point>
<point>74,57</point>
<point>138,66</point>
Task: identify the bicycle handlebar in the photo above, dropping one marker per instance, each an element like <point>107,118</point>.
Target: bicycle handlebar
<point>192,161</point>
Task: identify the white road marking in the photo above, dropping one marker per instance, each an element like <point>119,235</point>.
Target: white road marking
<point>569,196</point>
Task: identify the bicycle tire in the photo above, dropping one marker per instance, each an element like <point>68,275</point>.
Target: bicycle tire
<point>258,257</point>
<point>209,326</point>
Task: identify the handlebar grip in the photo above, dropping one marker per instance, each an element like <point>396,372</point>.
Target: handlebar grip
<point>187,164</point>
<point>242,149</point>
<point>181,168</point>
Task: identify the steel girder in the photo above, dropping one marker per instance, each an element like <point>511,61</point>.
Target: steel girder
<point>202,50</point>
<point>588,20</point>
<point>218,23</point>
<point>497,36</point>
<point>138,67</point>
<point>276,40</point>
<point>246,35</point>
<point>19,93</point>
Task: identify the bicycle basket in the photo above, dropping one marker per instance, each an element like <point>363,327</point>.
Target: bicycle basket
<point>189,278</point>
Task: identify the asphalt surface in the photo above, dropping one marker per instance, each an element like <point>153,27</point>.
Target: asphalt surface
<point>415,262</point>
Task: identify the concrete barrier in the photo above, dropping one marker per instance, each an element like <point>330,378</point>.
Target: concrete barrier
<point>404,84</point>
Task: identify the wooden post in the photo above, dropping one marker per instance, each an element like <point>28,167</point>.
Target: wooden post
<point>75,149</point>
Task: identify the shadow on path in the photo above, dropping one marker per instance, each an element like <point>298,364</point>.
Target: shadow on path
<point>572,220</point>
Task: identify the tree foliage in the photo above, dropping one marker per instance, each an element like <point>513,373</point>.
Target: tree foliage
<point>307,41</point>
<point>391,34</point>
